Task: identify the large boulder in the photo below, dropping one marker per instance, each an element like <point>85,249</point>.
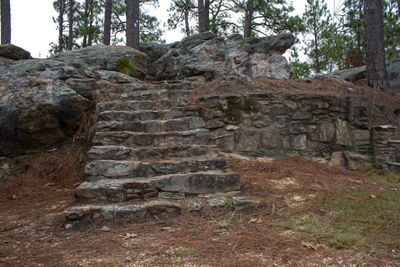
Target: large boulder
<point>206,55</point>
<point>359,75</point>
<point>105,57</point>
<point>153,51</point>
<point>38,109</point>
<point>14,52</point>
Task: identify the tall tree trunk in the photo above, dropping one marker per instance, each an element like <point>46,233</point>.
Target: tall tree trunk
<point>132,23</point>
<point>91,20</point>
<point>90,27</point>
<point>202,23</point>
<point>207,14</point>
<point>248,18</point>
<point>204,14</point>
<point>71,24</point>
<point>398,7</point>
<point>5,22</point>
<point>107,22</point>
<point>376,63</point>
<point>61,10</point>
<point>187,26</point>
<point>86,23</point>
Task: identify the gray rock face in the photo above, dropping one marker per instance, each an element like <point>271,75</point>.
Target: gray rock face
<point>104,57</point>
<point>14,52</point>
<point>210,56</point>
<point>153,50</point>
<point>359,75</point>
<point>37,107</point>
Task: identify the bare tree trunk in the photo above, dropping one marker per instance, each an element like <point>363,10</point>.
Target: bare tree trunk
<point>61,10</point>
<point>207,14</point>
<point>202,23</point>
<point>376,63</point>
<point>316,48</point>
<point>248,18</point>
<point>187,27</point>
<point>204,14</point>
<point>107,22</point>
<point>86,23</point>
<point>5,22</point>
<point>132,23</point>
<point>71,24</point>
<point>398,7</point>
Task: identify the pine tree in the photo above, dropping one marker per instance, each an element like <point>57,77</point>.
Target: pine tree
<point>204,14</point>
<point>5,22</point>
<point>107,22</point>
<point>376,63</point>
<point>61,9</point>
<point>181,11</point>
<point>132,23</point>
<point>320,28</point>
<point>71,24</point>
<point>301,70</point>
<point>391,27</point>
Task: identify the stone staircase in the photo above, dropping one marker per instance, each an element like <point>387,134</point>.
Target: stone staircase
<point>151,156</point>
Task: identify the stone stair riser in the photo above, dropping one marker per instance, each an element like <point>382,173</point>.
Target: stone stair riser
<point>147,140</point>
<point>133,169</point>
<point>142,105</point>
<point>148,115</point>
<point>155,126</point>
<point>127,153</point>
<point>109,191</point>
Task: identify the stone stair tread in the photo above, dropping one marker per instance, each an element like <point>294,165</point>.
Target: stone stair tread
<point>142,105</point>
<point>120,190</point>
<point>178,124</point>
<point>137,210</point>
<point>128,138</point>
<point>149,95</point>
<point>146,115</point>
<point>114,169</point>
<point>118,152</point>
<point>133,211</point>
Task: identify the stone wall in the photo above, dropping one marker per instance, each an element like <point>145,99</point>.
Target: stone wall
<point>330,129</point>
<point>384,151</point>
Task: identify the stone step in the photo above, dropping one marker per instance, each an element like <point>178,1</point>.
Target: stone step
<point>159,208</point>
<point>132,212</point>
<point>147,115</point>
<point>182,124</point>
<point>149,95</point>
<point>114,169</point>
<point>134,139</point>
<point>143,105</point>
<point>166,152</point>
<point>176,85</point>
<point>120,190</point>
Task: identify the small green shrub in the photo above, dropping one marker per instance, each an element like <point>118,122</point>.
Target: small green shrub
<point>126,66</point>
<point>186,253</point>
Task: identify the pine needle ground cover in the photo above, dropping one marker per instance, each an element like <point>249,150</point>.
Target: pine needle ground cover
<point>309,214</point>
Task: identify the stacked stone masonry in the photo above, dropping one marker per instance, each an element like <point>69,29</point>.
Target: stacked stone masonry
<point>151,155</point>
<point>330,129</point>
<point>156,147</point>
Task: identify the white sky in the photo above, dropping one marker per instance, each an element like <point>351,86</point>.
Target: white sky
<point>32,26</point>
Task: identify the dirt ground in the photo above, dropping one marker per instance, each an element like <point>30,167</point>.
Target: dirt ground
<point>32,231</point>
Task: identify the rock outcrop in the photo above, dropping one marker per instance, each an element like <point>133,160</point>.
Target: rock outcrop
<point>359,75</point>
<point>42,101</point>
<point>13,52</point>
<point>210,56</point>
<point>102,57</point>
<point>37,107</point>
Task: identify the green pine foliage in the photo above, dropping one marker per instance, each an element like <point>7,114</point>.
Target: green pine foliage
<point>126,66</point>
